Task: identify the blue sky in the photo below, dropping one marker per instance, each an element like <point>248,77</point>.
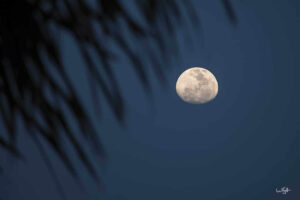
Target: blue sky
<point>242,145</point>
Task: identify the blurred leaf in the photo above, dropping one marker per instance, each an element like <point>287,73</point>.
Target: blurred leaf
<point>29,51</point>
<point>230,12</point>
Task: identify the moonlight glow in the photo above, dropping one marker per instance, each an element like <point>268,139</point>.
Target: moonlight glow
<point>197,85</point>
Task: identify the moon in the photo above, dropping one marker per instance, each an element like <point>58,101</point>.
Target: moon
<point>197,86</point>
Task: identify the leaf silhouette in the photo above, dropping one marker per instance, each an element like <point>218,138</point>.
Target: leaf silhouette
<point>230,12</point>
<point>29,50</point>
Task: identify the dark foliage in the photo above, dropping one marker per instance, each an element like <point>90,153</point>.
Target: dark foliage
<point>35,88</point>
<point>230,12</point>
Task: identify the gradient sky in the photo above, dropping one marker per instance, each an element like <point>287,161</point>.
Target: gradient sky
<point>242,145</point>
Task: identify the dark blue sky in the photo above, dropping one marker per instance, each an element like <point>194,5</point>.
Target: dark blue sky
<point>242,145</point>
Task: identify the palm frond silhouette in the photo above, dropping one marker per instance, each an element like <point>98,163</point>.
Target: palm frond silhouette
<point>34,85</point>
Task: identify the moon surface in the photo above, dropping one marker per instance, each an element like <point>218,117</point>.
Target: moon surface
<point>197,86</point>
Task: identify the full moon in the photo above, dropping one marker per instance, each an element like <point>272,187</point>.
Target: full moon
<point>197,86</point>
